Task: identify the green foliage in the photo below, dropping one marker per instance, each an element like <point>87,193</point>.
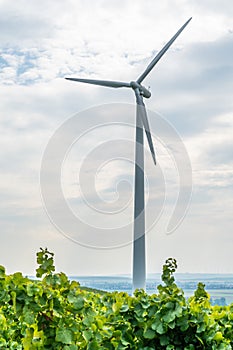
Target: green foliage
<point>55,313</point>
<point>200,294</point>
<point>45,261</point>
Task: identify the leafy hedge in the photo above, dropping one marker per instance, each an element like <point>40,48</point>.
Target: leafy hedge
<point>55,313</point>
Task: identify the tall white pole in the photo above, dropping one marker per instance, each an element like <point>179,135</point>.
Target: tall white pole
<point>139,256</point>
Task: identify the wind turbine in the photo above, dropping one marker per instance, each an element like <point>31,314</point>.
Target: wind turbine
<point>139,256</point>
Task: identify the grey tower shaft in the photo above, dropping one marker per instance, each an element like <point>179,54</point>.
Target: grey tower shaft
<point>139,254</point>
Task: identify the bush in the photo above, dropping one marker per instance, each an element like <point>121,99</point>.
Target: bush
<point>56,313</point>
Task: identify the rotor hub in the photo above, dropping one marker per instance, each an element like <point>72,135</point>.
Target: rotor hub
<point>143,91</point>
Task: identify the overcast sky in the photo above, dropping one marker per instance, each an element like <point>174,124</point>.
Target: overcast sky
<point>41,42</point>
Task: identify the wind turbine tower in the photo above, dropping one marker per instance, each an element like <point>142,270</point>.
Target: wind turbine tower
<point>139,246</point>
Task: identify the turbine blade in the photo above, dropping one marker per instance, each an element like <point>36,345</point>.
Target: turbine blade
<point>142,112</point>
<point>108,83</point>
<point>161,53</point>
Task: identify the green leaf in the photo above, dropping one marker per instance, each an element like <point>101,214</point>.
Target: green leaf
<point>3,323</point>
<point>64,336</point>
<point>169,316</point>
<point>158,327</point>
<point>87,335</point>
<point>124,308</point>
<point>2,272</point>
<point>76,300</point>
<point>164,340</point>
<point>28,316</point>
<point>93,345</point>
<point>116,306</point>
<point>88,321</point>
<point>149,334</point>
<point>218,336</point>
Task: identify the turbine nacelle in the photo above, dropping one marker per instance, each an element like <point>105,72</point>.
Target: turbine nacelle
<point>143,91</point>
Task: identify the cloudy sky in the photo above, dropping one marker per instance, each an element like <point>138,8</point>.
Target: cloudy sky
<point>41,42</point>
